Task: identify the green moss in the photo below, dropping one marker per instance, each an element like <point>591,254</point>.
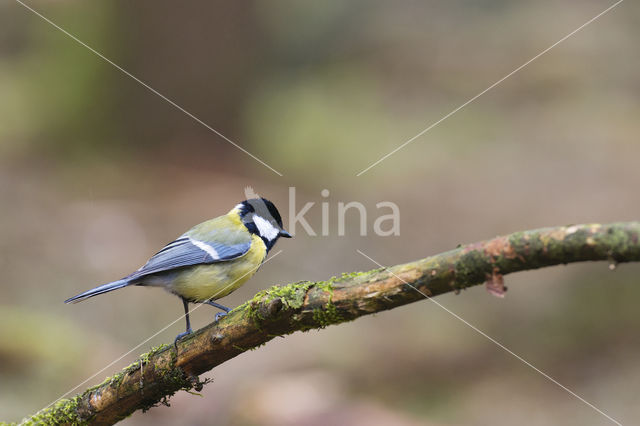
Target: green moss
<point>172,380</point>
<point>172,377</point>
<point>327,316</point>
<point>291,295</point>
<point>621,241</point>
<point>65,411</point>
<point>326,286</point>
<point>155,350</point>
<point>350,276</point>
<point>470,269</point>
<point>519,242</point>
<point>555,249</point>
<point>113,381</point>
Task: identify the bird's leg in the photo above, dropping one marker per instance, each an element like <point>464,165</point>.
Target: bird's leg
<point>219,306</point>
<point>189,331</point>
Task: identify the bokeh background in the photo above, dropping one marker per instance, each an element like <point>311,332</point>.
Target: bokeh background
<point>97,173</point>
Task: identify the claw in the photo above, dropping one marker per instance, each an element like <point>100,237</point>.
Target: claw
<point>180,336</point>
<point>219,306</point>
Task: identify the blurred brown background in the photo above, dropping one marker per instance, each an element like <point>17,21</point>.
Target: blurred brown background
<point>97,173</point>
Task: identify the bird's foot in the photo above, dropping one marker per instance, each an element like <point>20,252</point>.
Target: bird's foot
<point>180,336</point>
<point>219,306</point>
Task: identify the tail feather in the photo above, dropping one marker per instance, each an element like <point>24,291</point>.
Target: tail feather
<point>98,290</point>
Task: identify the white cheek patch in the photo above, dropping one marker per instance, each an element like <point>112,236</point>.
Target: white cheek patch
<point>205,247</point>
<point>266,229</point>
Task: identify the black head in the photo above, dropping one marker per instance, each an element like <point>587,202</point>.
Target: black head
<point>262,218</point>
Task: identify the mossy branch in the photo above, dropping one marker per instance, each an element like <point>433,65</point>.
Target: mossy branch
<point>307,305</point>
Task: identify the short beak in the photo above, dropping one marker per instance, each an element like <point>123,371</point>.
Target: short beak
<point>285,234</point>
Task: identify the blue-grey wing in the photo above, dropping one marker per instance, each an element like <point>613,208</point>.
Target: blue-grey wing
<point>187,251</point>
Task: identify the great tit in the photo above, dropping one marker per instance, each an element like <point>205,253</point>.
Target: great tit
<point>210,260</point>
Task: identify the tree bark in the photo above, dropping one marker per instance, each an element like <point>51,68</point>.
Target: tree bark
<point>305,305</point>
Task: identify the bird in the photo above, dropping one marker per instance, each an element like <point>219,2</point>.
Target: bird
<point>210,260</point>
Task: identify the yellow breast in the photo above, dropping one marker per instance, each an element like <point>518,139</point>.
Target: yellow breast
<point>216,280</point>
